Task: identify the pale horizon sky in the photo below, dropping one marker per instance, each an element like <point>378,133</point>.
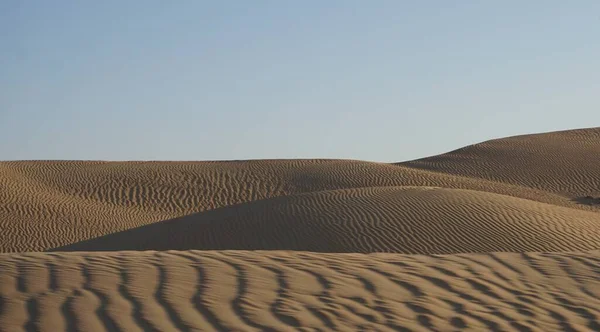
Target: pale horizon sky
<point>373,80</point>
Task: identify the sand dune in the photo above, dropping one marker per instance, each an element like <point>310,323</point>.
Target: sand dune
<point>412,220</point>
<point>501,236</point>
<point>564,162</point>
<point>48,204</point>
<point>282,291</point>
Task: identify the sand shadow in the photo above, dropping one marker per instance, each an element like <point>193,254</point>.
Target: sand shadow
<point>587,200</point>
<point>195,231</point>
<point>236,227</point>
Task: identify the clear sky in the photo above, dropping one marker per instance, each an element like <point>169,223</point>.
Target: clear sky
<point>212,80</point>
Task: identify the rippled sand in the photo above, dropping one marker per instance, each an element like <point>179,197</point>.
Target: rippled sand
<point>289,244</point>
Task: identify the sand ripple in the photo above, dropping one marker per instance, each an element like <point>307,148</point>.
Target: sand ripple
<point>279,291</point>
<point>413,220</point>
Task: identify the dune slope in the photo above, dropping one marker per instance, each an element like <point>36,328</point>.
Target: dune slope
<point>280,291</point>
<point>45,205</point>
<point>50,204</point>
<point>563,162</point>
<point>413,220</point>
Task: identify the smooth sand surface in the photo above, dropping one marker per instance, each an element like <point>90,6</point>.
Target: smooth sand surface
<point>285,291</point>
<point>517,219</point>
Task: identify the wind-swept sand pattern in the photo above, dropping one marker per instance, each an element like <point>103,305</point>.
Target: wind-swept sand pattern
<point>281,291</point>
<point>563,162</point>
<point>48,204</point>
<point>412,220</point>
<point>500,236</point>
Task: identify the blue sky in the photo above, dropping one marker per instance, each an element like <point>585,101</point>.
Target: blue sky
<point>213,80</point>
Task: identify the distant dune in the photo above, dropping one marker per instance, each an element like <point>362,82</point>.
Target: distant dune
<point>501,235</point>
<point>565,162</point>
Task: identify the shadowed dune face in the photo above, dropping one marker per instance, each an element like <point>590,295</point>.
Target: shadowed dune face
<point>588,200</point>
<point>384,219</point>
<point>283,291</point>
<point>564,162</point>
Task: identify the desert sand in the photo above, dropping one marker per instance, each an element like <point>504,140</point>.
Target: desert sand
<point>278,291</point>
<point>502,235</point>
